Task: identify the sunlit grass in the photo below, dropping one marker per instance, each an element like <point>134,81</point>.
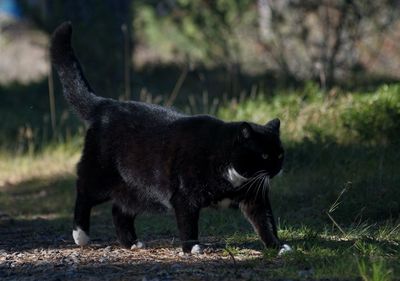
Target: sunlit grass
<point>336,203</point>
<point>310,113</point>
<point>55,160</point>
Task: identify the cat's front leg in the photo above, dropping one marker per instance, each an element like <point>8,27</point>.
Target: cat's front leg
<point>259,214</point>
<point>187,218</point>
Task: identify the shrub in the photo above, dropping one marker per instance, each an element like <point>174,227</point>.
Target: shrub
<point>375,117</point>
<point>333,116</point>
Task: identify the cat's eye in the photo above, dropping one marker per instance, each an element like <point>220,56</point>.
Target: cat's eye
<point>264,156</point>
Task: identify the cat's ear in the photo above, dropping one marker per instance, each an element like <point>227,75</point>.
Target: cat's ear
<point>245,131</point>
<point>274,125</point>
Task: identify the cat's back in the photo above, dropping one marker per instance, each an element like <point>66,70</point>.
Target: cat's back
<point>134,115</point>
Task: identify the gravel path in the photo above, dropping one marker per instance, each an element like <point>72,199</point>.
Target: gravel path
<point>38,249</point>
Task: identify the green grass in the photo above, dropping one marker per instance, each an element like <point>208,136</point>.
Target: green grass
<point>311,114</point>
<point>54,160</point>
<point>366,245</point>
<point>337,203</point>
<point>374,271</point>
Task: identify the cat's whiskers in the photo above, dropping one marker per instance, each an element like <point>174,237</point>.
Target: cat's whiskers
<point>266,187</point>
<point>257,190</point>
<point>262,186</point>
<point>257,187</point>
<point>250,183</point>
<point>254,183</point>
<point>253,178</point>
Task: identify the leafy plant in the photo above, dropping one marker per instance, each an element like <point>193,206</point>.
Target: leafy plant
<point>307,114</point>
<point>375,117</point>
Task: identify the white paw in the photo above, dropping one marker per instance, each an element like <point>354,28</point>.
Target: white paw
<point>138,245</point>
<point>197,250</point>
<point>285,249</point>
<point>80,237</point>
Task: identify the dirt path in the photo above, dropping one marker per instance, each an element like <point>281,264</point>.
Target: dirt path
<point>39,250</point>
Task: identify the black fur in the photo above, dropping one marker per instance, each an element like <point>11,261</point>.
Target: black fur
<point>146,157</point>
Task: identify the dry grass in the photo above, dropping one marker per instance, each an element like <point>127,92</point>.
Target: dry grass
<point>50,163</point>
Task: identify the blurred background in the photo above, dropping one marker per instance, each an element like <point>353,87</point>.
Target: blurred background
<point>329,69</point>
<point>199,56</point>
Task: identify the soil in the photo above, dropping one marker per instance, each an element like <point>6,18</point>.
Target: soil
<point>40,249</point>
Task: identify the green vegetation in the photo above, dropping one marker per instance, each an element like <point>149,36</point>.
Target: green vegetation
<point>321,250</point>
<point>376,271</point>
<point>337,203</point>
<point>337,116</point>
<point>197,31</point>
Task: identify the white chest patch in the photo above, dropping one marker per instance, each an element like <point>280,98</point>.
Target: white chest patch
<point>234,177</point>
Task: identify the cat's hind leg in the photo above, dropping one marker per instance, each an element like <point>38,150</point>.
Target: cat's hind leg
<point>125,228</point>
<point>86,199</point>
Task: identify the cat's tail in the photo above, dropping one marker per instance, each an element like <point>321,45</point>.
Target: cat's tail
<point>76,88</point>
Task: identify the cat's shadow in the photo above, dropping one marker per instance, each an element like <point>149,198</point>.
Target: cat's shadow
<point>18,235</point>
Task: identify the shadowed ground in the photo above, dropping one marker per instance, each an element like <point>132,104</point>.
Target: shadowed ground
<point>36,220</point>
<point>40,247</point>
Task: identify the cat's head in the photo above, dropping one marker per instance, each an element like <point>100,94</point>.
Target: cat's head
<point>258,149</point>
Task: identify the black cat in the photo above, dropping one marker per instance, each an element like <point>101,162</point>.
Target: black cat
<point>147,157</point>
